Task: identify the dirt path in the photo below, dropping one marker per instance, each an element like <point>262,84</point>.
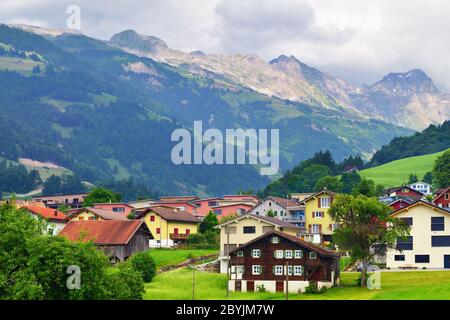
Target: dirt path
<point>186,263</point>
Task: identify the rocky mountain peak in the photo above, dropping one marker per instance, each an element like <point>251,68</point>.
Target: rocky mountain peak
<point>132,40</point>
<point>412,82</point>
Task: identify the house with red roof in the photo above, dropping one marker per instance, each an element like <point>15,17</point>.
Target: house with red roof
<point>119,239</point>
<point>442,200</point>
<point>55,220</point>
<point>404,191</point>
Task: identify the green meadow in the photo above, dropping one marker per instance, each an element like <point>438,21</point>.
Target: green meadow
<point>405,285</point>
<point>397,172</point>
<point>166,257</point>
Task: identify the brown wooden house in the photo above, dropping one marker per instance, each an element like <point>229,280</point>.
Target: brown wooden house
<point>276,258</point>
<point>119,239</point>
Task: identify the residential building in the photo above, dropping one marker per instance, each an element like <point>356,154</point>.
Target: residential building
<point>243,229</point>
<point>91,213</point>
<point>140,204</point>
<point>55,220</point>
<point>284,209</point>
<point>319,225</point>
<point>299,197</point>
<point>422,187</point>
<point>123,208</point>
<point>170,226</point>
<point>54,201</point>
<point>226,210</point>
<point>279,262</point>
<point>119,239</point>
<point>428,245</point>
<point>181,205</point>
<point>243,198</point>
<point>204,206</point>
<point>404,191</point>
<point>400,202</point>
<point>442,200</point>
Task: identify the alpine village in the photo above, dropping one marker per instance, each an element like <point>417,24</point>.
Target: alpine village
<point>91,207</point>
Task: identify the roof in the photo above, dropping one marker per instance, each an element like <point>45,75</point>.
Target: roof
<point>270,220</point>
<point>106,232</point>
<point>233,205</point>
<point>320,251</point>
<point>285,203</point>
<point>324,191</point>
<point>420,182</point>
<point>113,204</point>
<point>102,213</point>
<point>180,202</point>
<point>444,191</point>
<point>391,190</point>
<point>179,198</point>
<point>61,195</point>
<point>46,213</point>
<point>172,214</point>
<point>404,199</point>
<point>420,202</point>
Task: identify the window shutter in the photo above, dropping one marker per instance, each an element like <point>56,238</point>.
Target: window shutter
<point>275,254</point>
<point>320,228</point>
<point>313,214</point>
<point>309,228</point>
<point>330,226</point>
<point>318,203</point>
<point>273,270</point>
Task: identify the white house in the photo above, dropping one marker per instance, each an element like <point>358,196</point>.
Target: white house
<point>428,245</point>
<point>422,187</point>
<point>283,209</point>
<point>55,220</point>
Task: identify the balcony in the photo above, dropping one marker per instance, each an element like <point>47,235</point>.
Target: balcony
<point>294,219</point>
<point>179,236</point>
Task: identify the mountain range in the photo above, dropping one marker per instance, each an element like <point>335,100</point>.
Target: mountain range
<point>107,109</point>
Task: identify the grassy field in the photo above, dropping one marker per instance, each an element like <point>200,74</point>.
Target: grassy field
<point>23,66</point>
<point>166,257</point>
<point>424,285</point>
<point>397,172</point>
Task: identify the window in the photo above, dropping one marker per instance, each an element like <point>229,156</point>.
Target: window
<point>51,231</point>
<point>405,244</point>
<point>118,209</point>
<point>440,241</point>
<point>298,270</point>
<point>256,270</point>
<point>248,230</point>
<point>158,230</point>
<point>81,218</point>
<point>318,214</point>
<point>408,221</point>
<point>240,253</point>
<point>424,258</point>
<point>175,231</point>
<point>275,240</point>
<point>212,203</point>
<point>278,254</point>
<point>288,254</point>
<point>218,212</point>
<point>188,232</point>
<point>447,196</point>
<point>256,253</point>
<point>399,257</point>
<point>278,270</point>
<point>298,254</point>
<point>313,255</point>
<point>237,269</point>
<point>315,228</point>
<point>270,204</point>
<point>325,202</point>
<point>437,224</point>
<point>152,218</point>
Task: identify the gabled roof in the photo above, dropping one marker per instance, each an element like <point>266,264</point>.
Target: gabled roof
<point>320,251</point>
<point>179,198</point>
<point>315,195</point>
<point>62,195</point>
<point>171,214</point>
<point>46,213</point>
<point>404,199</point>
<point>422,203</point>
<point>444,191</point>
<point>270,220</point>
<point>102,213</point>
<point>113,204</point>
<point>285,203</point>
<point>391,190</point>
<point>233,205</point>
<point>104,232</point>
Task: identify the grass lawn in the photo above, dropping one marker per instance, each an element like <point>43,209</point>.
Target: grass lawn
<point>166,257</point>
<point>397,172</point>
<point>423,285</point>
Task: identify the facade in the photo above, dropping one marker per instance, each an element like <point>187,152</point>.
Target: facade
<point>89,214</point>
<point>204,206</point>
<point>72,200</point>
<point>400,203</point>
<point>428,245</point>
<point>282,209</point>
<point>186,206</point>
<point>55,220</point>
<point>442,200</point>
<point>319,225</point>
<point>169,226</point>
<point>243,229</point>
<point>231,209</point>
<point>422,187</point>
<point>280,262</point>
<point>114,207</point>
<point>119,239</point>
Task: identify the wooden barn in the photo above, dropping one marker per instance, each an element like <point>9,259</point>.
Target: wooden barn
<point>119,239</point>
<point>276,261</point>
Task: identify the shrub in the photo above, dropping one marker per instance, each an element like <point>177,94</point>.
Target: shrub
<point>260,288</point>
<point>313,288</point>
<point>143,263</point>
<point>125,284</point>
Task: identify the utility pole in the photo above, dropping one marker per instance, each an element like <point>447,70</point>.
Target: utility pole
<point>228,260</point>
<point>287,281</point>
<point>193,282</point>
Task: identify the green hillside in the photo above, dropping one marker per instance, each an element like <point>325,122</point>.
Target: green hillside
<point>397,172</point>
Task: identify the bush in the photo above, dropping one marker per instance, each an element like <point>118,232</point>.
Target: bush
<point>261,288</point>
<point>313,288</point>
<point>143,263</point>
<point>206,240</point>
<point>125,284</point>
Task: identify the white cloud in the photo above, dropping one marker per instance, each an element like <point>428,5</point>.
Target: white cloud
<point>360,40</point>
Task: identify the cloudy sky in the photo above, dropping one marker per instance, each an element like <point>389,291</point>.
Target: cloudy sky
<point>359,40</point>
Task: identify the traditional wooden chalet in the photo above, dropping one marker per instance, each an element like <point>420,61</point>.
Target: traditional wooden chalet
<point>442,199</point>
<point>119,239</point>
<point>401,202</point>
<point>277,261</point>
<point>405,191</point>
